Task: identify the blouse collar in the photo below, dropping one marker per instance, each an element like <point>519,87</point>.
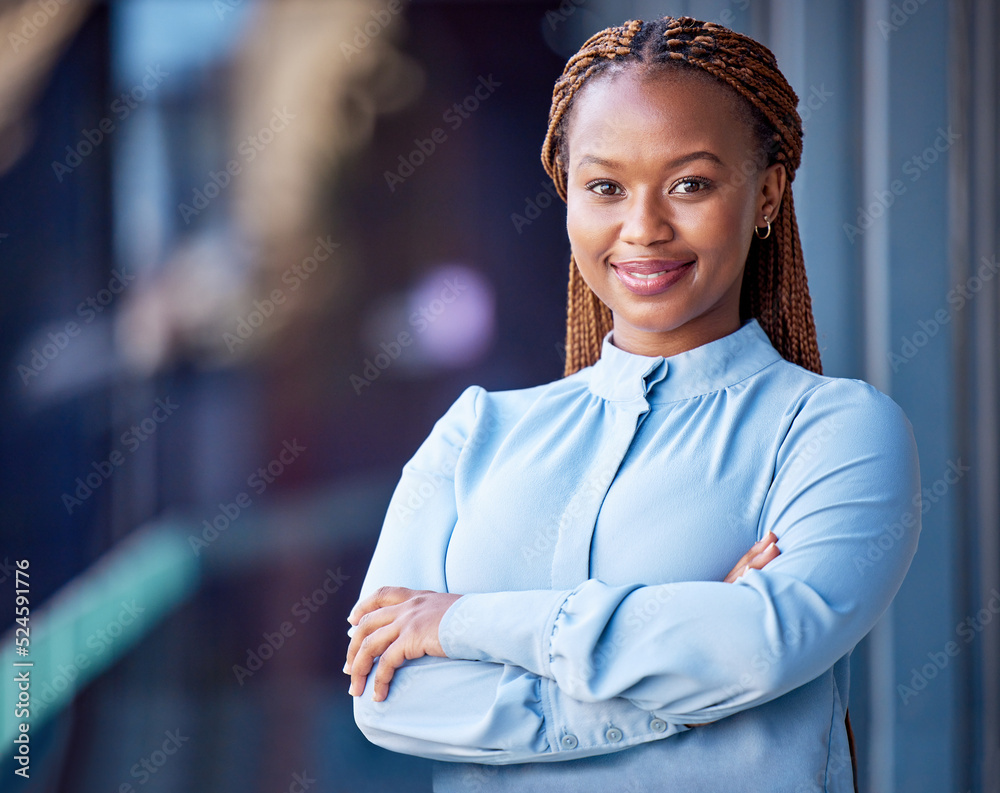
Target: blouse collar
<point>620,375</point>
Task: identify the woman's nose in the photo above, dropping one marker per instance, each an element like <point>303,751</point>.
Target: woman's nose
<point>646,220</point>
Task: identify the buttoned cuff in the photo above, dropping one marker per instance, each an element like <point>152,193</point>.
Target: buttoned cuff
<point>584,729</point>
<point>503,627</point>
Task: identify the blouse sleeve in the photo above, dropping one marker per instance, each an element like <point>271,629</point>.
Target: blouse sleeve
<point>467,710</point>
<point>845,506</point>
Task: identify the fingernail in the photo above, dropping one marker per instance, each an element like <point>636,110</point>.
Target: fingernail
<point>347,668</point>
<point>351,690</point>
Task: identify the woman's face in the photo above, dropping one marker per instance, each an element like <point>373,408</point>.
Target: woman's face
<point>657,181</point>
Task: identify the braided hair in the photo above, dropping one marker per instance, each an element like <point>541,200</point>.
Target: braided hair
<point>774,289</point>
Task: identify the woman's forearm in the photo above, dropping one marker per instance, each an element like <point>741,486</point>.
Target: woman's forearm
<point>462,711</point>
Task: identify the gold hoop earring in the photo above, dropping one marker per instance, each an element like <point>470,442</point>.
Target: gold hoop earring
<point>766,234</point>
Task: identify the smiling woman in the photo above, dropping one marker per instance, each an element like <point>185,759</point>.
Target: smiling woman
<point>652,214</point>
<point>562,587</point>
<point>739,80</point>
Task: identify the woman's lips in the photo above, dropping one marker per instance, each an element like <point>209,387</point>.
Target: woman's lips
<point>650,277</point>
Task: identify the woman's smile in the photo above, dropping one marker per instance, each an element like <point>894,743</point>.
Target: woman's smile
<point>650,276</point>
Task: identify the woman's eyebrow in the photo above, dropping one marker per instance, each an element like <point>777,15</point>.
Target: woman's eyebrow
<point>703,154</point>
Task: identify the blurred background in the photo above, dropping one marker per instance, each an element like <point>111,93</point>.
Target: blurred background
<point>252,249</point>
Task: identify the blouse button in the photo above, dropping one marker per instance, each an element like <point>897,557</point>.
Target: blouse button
<point>569,741</point>
<point>613,734</point>
<point>657,725</point>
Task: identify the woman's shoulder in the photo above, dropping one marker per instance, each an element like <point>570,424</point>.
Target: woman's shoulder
<point>477,401</point>
<point>859,415</point>
<point>847,395</point>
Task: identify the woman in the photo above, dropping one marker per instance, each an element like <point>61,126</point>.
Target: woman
<point>589,523</point>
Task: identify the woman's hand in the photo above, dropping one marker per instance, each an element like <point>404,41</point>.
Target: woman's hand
<point>760,553</point>
<point>398,624</point>
<point>401,624</point>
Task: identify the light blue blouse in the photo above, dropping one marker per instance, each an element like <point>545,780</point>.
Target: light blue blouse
<point>589,523</point>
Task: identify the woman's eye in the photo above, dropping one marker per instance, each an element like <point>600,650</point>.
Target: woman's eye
<point>603,188</point>
<point>685,186</point>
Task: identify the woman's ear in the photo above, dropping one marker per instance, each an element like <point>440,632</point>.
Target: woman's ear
<point>772,188</point>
